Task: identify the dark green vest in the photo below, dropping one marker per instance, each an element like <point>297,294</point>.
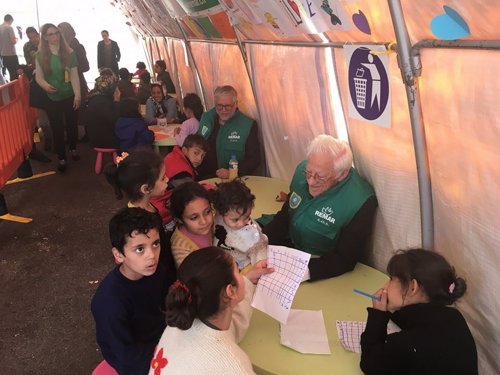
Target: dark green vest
<point>315,223</point>
<point>232,136</point>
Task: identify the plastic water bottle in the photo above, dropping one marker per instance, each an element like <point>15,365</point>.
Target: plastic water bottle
<point>233,167</point>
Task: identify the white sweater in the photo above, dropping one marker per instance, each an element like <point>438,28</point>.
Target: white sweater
<point>204,350</point>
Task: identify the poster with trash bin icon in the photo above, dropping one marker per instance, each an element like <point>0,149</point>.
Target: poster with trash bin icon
<point>369,90</point>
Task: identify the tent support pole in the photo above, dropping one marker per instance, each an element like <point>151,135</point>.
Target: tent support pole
<point>255,97</point>
<point>197,78</point>
<point>417,125</point>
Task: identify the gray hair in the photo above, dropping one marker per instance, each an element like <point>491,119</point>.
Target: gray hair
<point>225,90</point>
<point>339,150</point>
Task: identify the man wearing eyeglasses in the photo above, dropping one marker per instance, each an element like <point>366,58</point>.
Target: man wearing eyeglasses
<point>329,212</point>
<point>228,132</point>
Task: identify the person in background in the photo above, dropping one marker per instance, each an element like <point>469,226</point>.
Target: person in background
<point>163,77</point>
<point>131,129</point>
<point>434,338</point>
<point>144,90</point>
<point>126,87</point>
<point>329,212</point>
<point>208,311</point>
<point>31,46</point>
<point>180,167</point>
<point>8,52</point>
<point>30,49</point>
<point>129,305</point>
<point>193,109</point>
<point>57,74</point>
<point>81,55</point>
<point>108,53</point>
<point>102,110</point>
<point>159,106</point>
<point>141,68</point>
<point>229,132</point>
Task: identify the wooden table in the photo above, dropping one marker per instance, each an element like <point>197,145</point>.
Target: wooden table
<point>335,297</point>
<point>265,190</point>
<point>164,138</point>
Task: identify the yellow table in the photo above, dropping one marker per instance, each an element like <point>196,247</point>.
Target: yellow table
<point>265,190</point>
<point>162,139</point>
<point>335,297</point>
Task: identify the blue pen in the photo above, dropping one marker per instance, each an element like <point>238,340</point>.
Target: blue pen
<point>367,294</point>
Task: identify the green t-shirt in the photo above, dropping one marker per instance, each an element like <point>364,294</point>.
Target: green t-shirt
<point>59,77</point>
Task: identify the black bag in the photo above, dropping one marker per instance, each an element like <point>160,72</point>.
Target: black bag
<point>38,96</point>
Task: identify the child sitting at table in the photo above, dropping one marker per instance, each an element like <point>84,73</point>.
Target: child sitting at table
<point>159,106</point>
<point>434,338</point>
<point>139,177</point>
<point>235,230</point>
<point>129,304</point>
<point>191,207</point>
<point>131,129</point>
<point>180,167</point>
<point>208,313</point>
<point>193,109</point>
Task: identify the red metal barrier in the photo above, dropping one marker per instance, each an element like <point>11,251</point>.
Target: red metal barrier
<point>17,122</point>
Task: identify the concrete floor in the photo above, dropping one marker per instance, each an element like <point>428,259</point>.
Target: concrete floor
<point>49,268</point>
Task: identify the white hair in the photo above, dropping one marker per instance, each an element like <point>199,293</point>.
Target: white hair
<point>226,90</point>
<point>339,151</point>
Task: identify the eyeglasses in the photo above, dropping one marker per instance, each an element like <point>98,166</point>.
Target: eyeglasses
<point>55,33</point>
<point>308,175</point>
<point>224,107</point>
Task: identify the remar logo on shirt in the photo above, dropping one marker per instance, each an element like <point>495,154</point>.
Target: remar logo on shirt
<point>233,136</point>
<point>204,130</point>
<point>326,214</point>
<point>295,200</point>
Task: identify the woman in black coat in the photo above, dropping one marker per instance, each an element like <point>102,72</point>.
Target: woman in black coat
<point>101,111</point>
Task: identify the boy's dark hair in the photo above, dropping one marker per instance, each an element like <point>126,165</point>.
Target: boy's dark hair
<point>139,168</point>
<point>433,273</point>
<point>30,30</point>
<point>197,140</point>
<point>233,195</point>
<point>161,64</point>
<point>129,107</point>
<point>8,18</point>
<point>105,31</point>
<point>145,77</point>
<point>129,220</point>
<point>140,65</point>
<point>200,291</point>
<point>193,102</point>
<point>185,193</point>
<point>123,73</point>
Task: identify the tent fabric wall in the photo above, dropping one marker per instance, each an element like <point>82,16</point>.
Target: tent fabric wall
<point>462,126</point>
<point>222,64</point>
<point>385,157</point>
<point>185,73</point>
<point>293,110</point>
<point>458,90</point>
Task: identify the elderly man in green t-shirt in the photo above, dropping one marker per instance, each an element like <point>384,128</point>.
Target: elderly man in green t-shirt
<point>329,212</point>
<point>229,133</point>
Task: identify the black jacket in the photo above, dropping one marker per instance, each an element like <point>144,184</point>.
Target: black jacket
<point>434,340</point>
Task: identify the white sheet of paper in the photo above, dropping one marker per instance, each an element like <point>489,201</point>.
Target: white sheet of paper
<point>350,333</point>
<point>275,292</point>
<point>305,332</point>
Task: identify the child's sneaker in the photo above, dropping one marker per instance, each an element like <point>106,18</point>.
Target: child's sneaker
<point>62,165</point>
<point>74,155</point>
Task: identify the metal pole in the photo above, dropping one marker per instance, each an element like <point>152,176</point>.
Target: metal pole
<point>418,131</point>
<point>196,73</point>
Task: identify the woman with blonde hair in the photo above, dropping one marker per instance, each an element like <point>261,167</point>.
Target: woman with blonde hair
<point>57,74</point>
